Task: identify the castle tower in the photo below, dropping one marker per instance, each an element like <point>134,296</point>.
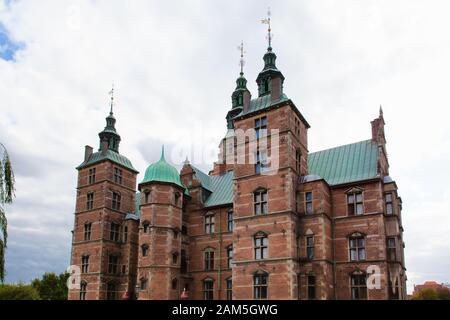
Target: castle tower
<point>275,154</point>
<point>104,228</point>
<point>160,232</point>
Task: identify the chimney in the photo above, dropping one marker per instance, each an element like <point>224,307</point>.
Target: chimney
<point>104,147</point>
<point>246,97</point>
<point>87,152</point>
<point>275,90</point>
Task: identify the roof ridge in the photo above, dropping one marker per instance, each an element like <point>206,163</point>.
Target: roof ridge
<point>343,145</point>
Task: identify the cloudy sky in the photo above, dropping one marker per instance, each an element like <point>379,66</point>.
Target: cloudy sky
<point>174,65</point>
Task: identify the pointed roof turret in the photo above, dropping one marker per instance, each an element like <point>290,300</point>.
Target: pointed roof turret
<point>109,134</point>
<point>162,171</point>
<point>270,71</point>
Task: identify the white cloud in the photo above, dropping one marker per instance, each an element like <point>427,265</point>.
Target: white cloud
<point>174,64</point>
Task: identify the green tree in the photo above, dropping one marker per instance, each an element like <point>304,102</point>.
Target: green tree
<point>18,292</point>
<point>52,286</point>
<point>443,293</point>
<point>6,196</point>
<point>426,294</point>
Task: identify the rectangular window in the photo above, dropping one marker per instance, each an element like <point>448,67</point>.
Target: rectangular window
<point>261,127</point>
<point>261,247</point>
<point>260,286</point>
<point>357,247</point>
<point>230,257</point>
<point>118,175</point>
<point>209,260</point>
<point>90,201</point>
<point>260,202</point>
<point>91,177</point>
<point>208,290</point>
<point>358,287</point>
<point>389,204</point>
<point>261,165</point>
<point>308,202</point>
<point>311,287</point>
<point>299,286</point>
<point>230,221</point>
<point>391,249</point>
<point>113,262</point>
<point>116,201</point>
<point>310,247</point>
<point>114,232</point>
<point>87,231</point>
<point>84,264</point>
<point>229,289</point>
<point>355,204</point>
<point>209,223</point>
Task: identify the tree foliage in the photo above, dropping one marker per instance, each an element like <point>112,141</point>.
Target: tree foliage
<point>18,292</point>
<point>6,196</point>
<point>441,293</point>
<point>52,286</point>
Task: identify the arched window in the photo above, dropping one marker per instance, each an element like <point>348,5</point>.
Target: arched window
<point>260,202</point>
<point>174,283</point>
<point>358,285</point>
<point>266,84</point>
<point>144,249</point>
<point>83,290</point>
<point>174,257</point>
<point>260,284</point>
<point>146,226</point>
<point>146,196</point>
<point>261,243</point>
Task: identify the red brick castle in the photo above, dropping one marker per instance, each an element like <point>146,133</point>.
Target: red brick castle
<point>323,225</point>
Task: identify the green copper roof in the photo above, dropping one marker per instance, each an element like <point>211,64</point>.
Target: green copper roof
<point>161,171</point>
<point>344,164</point>
<point>110,155</point>
<point>262,103</point>
<point>137,204</point>
<point>204,179</point>
<point>222,187</point>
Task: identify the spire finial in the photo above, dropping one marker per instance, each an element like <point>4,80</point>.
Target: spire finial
<point>162,154</point>
<point>111,93</point>
<point>269,29</point>
<point>381,111</point>
<point>242,61</point>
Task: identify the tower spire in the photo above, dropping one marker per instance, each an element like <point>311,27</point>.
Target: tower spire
<point>111,93</point>
<point>269,29</point>
<point>242,61</point>
<point>109,135</point>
